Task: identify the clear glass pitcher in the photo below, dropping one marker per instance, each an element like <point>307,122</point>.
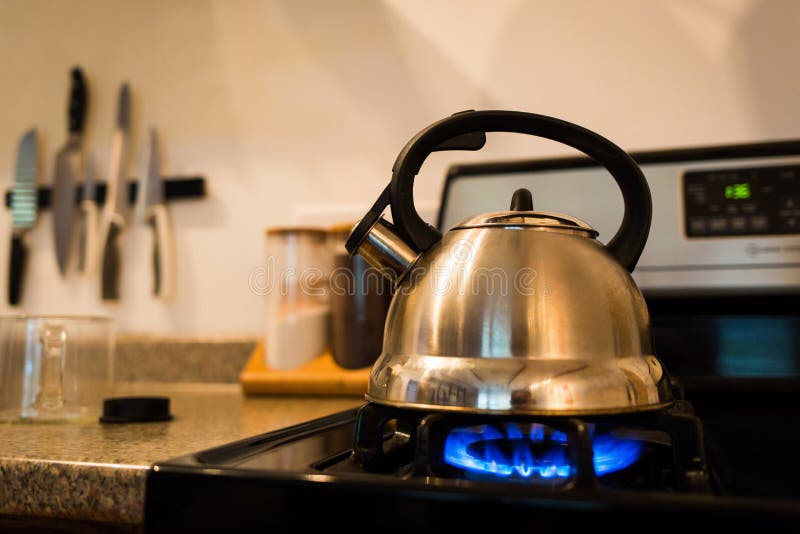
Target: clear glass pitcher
<point>54,368</point>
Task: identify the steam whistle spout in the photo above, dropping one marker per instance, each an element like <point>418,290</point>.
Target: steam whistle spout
<point>383,249</point>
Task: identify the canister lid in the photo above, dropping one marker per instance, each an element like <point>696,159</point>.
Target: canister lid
<point>293,230</point>
<point>135,410</point>
<point>343,228</point>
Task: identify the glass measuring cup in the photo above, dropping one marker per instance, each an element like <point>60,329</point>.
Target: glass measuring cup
<point>54,368</point>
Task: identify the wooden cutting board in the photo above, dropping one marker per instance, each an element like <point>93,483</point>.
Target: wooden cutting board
<point>321,376</point>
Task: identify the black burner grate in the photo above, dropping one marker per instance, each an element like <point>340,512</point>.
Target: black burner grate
<point>411,443</point>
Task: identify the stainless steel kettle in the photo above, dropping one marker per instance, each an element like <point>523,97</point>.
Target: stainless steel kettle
<point>516,311</point>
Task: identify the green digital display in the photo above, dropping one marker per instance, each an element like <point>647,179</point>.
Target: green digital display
<point>737,191</point>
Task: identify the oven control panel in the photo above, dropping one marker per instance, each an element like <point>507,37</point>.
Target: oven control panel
<point>726,219</point>
<point>742,201</point>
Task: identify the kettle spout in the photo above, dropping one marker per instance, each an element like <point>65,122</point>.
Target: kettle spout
<point>384,250</point>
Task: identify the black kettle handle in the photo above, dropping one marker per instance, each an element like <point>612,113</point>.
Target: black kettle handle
<point>626,245</point>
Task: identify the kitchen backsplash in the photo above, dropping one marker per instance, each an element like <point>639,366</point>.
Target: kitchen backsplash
<point>148,358</point>
<point>295,111</point>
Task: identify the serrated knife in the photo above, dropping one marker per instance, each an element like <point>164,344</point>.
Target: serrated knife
<point>24,203</point>
<point>69,163</point>
<point>116,203</point>
<point>87,249</point>
<point>157,216</point>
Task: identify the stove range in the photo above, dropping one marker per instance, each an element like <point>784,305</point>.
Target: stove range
<point>727,452</point>
<point>538,475</point>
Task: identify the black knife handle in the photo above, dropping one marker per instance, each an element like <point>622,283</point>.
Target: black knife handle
<point>19,255</point>
<point>157,257</point>
<point>111,264</point>
<point>77,102</point>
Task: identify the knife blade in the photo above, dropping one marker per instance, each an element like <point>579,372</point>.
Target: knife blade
<point>87,249</point>
<point>68,166</point>
<point>23,211</point>
<point>116,198</point>
<point>157,216</point>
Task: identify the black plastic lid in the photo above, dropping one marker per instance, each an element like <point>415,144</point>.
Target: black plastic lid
<point>135,410</point>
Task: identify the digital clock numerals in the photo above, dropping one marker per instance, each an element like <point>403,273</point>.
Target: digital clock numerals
<point>748,201</point>
<point>737,191</point>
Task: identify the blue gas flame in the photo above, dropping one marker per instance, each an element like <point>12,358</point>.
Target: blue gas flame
<point>538,452</point>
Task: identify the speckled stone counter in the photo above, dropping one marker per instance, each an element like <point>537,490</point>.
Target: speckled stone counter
<point>96,472</point>
<point>144,358</point>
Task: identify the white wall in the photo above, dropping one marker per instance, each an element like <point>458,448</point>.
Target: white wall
<point>299,107</point>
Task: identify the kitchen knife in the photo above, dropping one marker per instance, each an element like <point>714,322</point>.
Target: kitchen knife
<point>157,216</point>
<point>69,161</point>
<point>87,251</point>
<point>116,198</point>
<point>23,212</point>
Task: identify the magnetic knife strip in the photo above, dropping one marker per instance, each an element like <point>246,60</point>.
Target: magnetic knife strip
<point>175,188</point>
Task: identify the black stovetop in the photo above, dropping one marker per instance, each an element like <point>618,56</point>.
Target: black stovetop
<point>735,461</point>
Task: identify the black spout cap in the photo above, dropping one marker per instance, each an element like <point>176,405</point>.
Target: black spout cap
<point>366,223</point>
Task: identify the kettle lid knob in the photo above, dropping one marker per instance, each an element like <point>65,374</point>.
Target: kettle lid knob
<point>521,200</point>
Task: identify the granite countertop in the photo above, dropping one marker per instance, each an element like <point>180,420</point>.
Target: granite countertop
<point>96,472</point>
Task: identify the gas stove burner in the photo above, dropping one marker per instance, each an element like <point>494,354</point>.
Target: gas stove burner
<point>531,452</point>
<point>649,450</point>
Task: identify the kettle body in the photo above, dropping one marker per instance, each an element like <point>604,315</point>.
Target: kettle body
<point>513,312</point>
